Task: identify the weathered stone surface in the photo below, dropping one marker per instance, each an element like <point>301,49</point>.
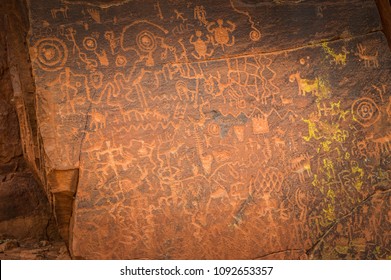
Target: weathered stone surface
<point>10,146</point>
<point>8,244</point>
<point>215,129</point>
<point>384,7</point>
<point>11,249</point>
<point>24,209</point>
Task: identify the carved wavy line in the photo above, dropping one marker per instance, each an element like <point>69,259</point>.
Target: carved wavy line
<point>148,126</point>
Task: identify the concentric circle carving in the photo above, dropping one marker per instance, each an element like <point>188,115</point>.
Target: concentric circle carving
<point>52,53</point>
<point>365,111</point>
<point>146,41</point>
<point>89,43</point>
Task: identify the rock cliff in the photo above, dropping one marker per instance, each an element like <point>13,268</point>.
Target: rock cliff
<point>209,129</point>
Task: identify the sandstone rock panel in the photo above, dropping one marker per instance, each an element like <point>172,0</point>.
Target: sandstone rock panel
<point>24,209</point>
<point>217,130</point>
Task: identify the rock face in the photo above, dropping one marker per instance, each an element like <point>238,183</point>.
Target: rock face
<point>24,209</point>
<point>213,129</point>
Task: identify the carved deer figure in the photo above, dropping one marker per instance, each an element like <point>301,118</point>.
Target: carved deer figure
<point>300,165</point>
<point>369,60</point>
<point>305,86</point>
<point>63,10</point>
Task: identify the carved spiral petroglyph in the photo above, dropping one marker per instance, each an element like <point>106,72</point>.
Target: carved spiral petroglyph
<point>255,35</point>
<point>214,129</point>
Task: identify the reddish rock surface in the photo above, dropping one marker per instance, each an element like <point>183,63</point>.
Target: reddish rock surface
<point>25,215</point>
<point>12,249</point>
<point>211,129</point>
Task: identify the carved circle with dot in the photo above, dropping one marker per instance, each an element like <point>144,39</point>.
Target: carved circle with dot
<point>51,53</point>
<point>89,43</point>
<point>146,41</point>
<point>365,111</point>
<point>121,61</point>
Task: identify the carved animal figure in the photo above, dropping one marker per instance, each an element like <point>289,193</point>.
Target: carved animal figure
<point>98,120</point>
<point>62,10</point>
<point>278,142</point>
<point>302,165</point>
<point>340,59</point>
<point>305,86</point>
<point>200,46</point>
<point>286,101</point>
<point>221,33</point>
<point>383,144</point>
<point>131,115</point>
<point>369,60</point>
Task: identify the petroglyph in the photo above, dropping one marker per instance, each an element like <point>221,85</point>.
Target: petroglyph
<point>255,34</point>
<point>201,46</point>
<point>301,165</point>
<point>338,58</point>
<point>50,54</point>
<point>200,15</point>
<point>63,11</point>
<point>369,60</point>
<point>305,85</point>
<point>365,111</point>
<point>217,126</point>
<point>221,33</point>
<point>95,14</point>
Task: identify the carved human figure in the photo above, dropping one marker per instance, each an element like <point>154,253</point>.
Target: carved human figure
<point>114,42</point>
<point>200,14</point>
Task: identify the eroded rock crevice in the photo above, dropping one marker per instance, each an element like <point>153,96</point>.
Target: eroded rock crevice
<point>63,187</point>
<point>27,226</point>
